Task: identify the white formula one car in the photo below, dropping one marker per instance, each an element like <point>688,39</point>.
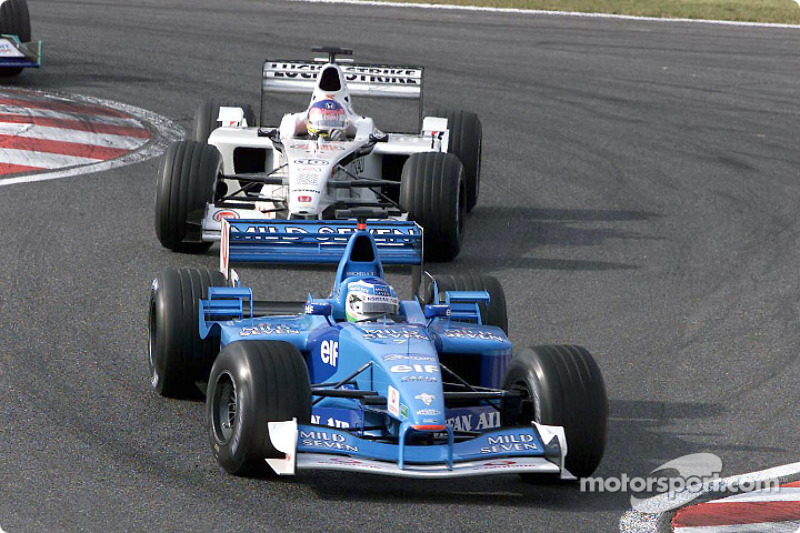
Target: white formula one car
<point>323,161</point>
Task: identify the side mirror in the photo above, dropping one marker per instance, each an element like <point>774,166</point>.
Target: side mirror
<point>319,308</point>
<point>436,310</point>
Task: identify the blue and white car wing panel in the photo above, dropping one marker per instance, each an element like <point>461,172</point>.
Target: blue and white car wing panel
<point>514,442</point>
<point>14,54</point>
<point>516,465</point>
<point>310,241</point>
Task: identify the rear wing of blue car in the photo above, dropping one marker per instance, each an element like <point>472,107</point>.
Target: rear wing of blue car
<point>315,242</point>
<point>15,54</point>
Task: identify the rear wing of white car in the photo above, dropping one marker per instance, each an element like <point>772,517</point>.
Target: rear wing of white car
<point>388,81</point>
<point>363,79</point>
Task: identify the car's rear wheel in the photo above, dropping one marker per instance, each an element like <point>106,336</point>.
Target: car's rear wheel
<point>251,384</point>
<point>186,183</point>
<point>177,355</point>
<point>432,192</point>
<point>207,113</point>
<point>466,141</point>
<point>562,386</point>
<point>495,315</point>
<point>15,20</point>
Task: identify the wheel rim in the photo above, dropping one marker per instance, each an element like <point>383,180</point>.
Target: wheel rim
<point>225,407</point>
<point>152,332</point>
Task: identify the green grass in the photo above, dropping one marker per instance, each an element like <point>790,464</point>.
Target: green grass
<point>778,11</point>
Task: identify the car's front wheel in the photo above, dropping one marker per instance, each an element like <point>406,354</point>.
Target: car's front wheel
<point>186,182</point>
<point>562,386</point>
<point>251,384</point>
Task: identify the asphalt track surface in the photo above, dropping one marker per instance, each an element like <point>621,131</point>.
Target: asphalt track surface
<point>639,197</point>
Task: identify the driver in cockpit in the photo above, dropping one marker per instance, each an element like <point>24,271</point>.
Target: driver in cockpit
<point>371,299</point>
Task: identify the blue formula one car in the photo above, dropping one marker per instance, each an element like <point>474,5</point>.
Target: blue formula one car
<point>361,381</point>
<point>17,51</point>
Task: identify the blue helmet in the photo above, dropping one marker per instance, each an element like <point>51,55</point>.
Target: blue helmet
<point>370,298</point>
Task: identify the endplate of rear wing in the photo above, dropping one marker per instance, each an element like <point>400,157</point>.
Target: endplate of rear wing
<point>291,76</point>
<point>15,54</point>
<point>398,242</point>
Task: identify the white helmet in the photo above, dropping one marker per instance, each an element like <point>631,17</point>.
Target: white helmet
<point>370,298</point>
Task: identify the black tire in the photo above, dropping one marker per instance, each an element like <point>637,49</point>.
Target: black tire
<point>432,192</point>
<point>15,20</point>
<point>205,118</point>
<point>466,141</point>
<point>563,386</point>
<point>186,182</point>
<point>253,383</point>
<point>178,356</point>
<point>497,314</point>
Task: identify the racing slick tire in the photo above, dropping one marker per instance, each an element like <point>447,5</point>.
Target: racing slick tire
<point>186,182</point>
<point>15,20</point>
<point>178,356</point>
<point>432,193</point>
<point>466,139</point>
<point>495,315</point>
<point>562,386</point>
<point>253,383</point>
<point>207,113</point>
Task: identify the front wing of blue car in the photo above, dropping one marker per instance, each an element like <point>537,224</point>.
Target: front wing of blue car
<point>540,449</point>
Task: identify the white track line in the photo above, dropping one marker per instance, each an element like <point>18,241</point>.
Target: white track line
<point>448,7</point>
<point>6,109</point>
<point>762,527</point>
<point>164,132</point>
<point>30,158</point>
<point>46,133</point>
<point>786,494</point>
<point>646,518</point>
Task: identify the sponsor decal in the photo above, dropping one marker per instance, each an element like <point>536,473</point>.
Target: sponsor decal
<point>425,398</point>
<point>428,412</point>
<point>403,410</point>
<point>419,379</point>
<point>268,232</point>
<point>394,401</point>
<point>269,329</point>
<point>472,334</point>
<point>304,199</point>
<point>330,422</point>
<point>311,162</point>
<point>219,215</point>
<point>474,422</point>
<point>394,333</point>
<point>357,167</point>
<point>327,147</point>
<point>329,352</point>
<point>306,178</point>
<point>326,441</point>
<point>510,443</point>
<point>419,369</point>
<point>409,357</point>
<point>352,73</point>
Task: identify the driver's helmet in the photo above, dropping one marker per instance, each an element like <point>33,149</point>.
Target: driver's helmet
<point>370,298</point>
<point>325,117</point>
